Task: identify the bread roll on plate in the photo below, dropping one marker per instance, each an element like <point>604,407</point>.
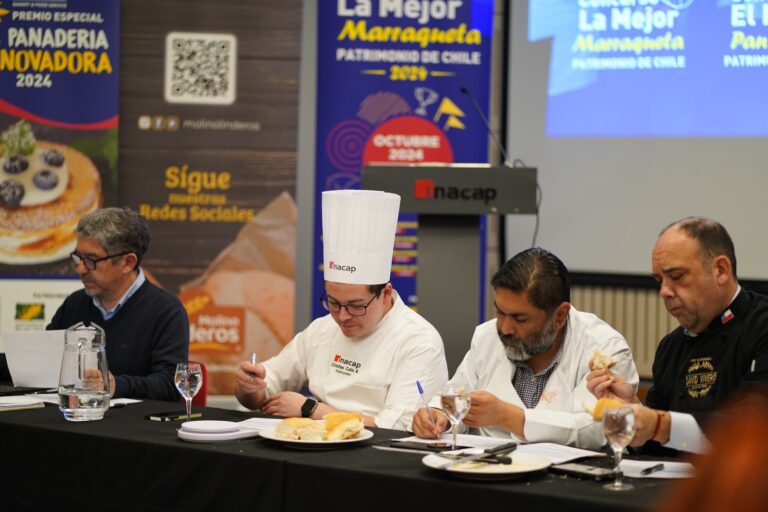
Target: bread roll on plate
<point>305,429</point>
<point>342,425</point>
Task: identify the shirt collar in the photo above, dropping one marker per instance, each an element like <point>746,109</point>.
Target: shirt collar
<point>127,295</point>
<point>723,318</point>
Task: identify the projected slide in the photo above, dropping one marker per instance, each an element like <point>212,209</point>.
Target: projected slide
<point>654,68</point>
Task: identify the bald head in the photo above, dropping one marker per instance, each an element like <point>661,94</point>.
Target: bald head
<point>692,265</point>
<point>712,238</point>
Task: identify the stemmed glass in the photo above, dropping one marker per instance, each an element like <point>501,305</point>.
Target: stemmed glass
<point>455,402</point>
<point>189,380</point>
<point>619,426</point>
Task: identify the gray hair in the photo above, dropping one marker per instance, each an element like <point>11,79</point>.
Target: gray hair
<point>117,230</point>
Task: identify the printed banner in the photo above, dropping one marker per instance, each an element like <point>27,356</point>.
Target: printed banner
<point>208,152</point>
<point>396,82</point>
<point>33,303</point>
<point>58,123</point>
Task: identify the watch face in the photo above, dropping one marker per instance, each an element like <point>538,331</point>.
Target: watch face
<point>308,408</point>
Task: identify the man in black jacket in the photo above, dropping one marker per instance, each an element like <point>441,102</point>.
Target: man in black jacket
<point>720,346</point>
<point>147,329</point>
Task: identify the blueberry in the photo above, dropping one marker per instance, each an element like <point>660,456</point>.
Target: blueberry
<point>15,164</point>
<point>45,179</point>
<point>53,157</point>
<point>11,193</point>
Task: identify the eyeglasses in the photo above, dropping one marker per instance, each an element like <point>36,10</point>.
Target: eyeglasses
<point>90,263</point>
<point>353,309</point>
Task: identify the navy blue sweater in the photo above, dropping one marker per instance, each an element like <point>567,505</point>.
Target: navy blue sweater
<point>145,339</point>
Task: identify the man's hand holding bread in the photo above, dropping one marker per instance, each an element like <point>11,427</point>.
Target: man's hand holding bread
<point>612,390</point>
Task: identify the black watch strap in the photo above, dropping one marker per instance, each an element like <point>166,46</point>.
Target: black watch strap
<point>308,407</point>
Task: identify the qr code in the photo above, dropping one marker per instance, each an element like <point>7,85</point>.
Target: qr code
<point>200,68</point>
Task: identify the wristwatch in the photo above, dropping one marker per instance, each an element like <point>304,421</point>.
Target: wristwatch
<point>308,408</point>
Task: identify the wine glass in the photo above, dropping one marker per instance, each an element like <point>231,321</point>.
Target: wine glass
<point>619,426</point>
<point>188,380</point>
<point>455,402</point>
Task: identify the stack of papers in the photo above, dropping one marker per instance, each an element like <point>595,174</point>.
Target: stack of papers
<point>14,403</point>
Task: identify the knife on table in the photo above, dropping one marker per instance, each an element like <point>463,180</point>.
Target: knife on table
<point>494,451</point>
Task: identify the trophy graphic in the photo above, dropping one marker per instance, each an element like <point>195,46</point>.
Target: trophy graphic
<point>425,96</point>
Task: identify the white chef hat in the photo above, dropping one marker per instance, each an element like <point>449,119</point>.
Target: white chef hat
<point>359,235</point>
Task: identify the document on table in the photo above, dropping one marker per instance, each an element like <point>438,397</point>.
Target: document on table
<point>556,453</point>
<point>34,357</point>
<point>13,403</point>
<point>53,398</point>
<point>633,469</point>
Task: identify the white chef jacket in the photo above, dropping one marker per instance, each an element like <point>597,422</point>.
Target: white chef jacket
<point>559,416</point>
<point>375,374</point>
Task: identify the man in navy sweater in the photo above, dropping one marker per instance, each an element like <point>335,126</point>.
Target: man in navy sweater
<point>146,327</point>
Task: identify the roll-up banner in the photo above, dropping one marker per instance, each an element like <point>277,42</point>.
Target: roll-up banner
<point>395,82</point>
<point>59,72</point>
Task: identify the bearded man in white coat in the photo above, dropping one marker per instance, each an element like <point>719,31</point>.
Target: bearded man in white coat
<point>527,369</point>
<point>368,353</point>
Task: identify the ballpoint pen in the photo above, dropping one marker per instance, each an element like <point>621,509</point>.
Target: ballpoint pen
<point>253,362</point>
<point>426,404</point>
<point>652,469</point>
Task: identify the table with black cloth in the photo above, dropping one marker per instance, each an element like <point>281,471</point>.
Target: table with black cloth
<point>125,462</point>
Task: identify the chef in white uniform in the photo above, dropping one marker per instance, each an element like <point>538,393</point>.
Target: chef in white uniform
<point>368,353</point>
<point>527,369</point>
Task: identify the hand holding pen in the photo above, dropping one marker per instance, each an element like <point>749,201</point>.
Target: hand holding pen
<point>425,424</point>
<point>250,376</point>
<point>426,403</point>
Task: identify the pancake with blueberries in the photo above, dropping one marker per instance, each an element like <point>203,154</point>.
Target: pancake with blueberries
<point>45,188</point>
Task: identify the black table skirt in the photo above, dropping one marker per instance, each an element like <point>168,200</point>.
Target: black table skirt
<point>125,462</point>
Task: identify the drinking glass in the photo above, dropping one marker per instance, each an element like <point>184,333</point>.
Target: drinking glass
<point>619,426</point>
<point>455,402</point>
<point>189,380</point>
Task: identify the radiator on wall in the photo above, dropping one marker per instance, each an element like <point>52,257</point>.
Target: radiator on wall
<point>638,314</point>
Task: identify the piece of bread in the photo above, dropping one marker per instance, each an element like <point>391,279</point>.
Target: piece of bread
<point>598,408</point>
<point>342,425</point>
<point>300,428</point>
<point>602,360</point>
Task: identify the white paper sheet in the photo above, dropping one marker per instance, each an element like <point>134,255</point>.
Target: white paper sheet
<point>632,469</point>
<point>558,453</point>
<point>34,357</point>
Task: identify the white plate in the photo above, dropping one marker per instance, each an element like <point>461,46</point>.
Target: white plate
<point>269,433</point>
<point>196,437</point>
<point>521,463</point>
<point>210,427</point>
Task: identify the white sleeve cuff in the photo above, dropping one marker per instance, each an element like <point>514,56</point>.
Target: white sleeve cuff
<point>685,434</point>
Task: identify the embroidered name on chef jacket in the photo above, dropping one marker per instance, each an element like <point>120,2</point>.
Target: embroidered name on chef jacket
<point>345,366</point>
<point>701,377</point>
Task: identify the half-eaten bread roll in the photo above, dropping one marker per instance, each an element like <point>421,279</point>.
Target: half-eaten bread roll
<point>342,425</point>
<point>602,360</point>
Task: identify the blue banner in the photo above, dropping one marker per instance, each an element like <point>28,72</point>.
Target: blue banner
<point>59,77</point>
<point>394,80</point>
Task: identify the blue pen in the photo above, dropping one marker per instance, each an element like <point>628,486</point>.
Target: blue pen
<point>426,404</point>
